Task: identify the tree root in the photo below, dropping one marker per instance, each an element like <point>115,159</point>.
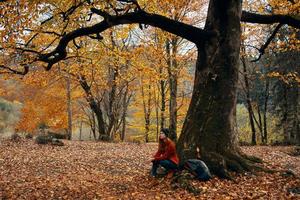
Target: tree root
<point>252,158</point>
<point>182,180</point>
<point>222,164</point>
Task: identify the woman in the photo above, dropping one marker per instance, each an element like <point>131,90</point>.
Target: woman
<point>166,155</point>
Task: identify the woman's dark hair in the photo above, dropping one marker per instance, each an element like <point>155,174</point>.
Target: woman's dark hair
<point>165,131</point>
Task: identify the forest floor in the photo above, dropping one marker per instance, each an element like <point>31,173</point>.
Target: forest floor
<point>94,170</point>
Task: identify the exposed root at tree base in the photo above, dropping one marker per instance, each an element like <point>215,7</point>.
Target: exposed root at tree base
<point>252,158</point>
<point>222,164</point>
<point>182,180</point>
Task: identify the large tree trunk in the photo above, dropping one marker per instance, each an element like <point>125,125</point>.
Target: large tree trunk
<point>209,124</point>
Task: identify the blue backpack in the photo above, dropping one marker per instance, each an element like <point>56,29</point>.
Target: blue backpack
<point>198,168</point>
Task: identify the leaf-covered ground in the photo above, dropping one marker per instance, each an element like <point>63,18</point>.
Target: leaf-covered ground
<point>90,170</point>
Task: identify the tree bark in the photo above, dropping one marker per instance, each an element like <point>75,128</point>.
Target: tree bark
<point>209,124</point>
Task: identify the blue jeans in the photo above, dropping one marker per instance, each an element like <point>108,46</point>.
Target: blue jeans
<point>167,164</point>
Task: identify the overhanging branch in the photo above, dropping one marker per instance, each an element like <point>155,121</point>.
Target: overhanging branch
<point>183,30</point>
<point>270,19</point>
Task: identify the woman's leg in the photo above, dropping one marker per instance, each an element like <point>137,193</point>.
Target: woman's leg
<point>155,165</point>
<point>168,165</point>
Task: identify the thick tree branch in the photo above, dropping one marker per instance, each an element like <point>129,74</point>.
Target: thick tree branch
<point>270,19</point>
<point>186,31</point>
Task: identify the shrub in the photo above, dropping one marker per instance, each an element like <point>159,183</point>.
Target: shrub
<point>295,151</point>
<point>57,142</point>
<point>136,141</point>
<point>105,138</point>
<point>42,126</point>
<point>15,137</point>
<point>28,136</point>
<point>57,135</point>
<point>244,143</point>
<point>280,143</point>
<point>43,139</point>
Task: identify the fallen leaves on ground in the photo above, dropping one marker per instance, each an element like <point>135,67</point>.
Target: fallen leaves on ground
<point>95,170</point>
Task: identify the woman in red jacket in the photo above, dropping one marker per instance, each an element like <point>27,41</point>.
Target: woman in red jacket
<point>166,155</point>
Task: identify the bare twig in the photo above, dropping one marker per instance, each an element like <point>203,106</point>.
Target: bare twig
<point>13,71</point>
<point>264,47</point>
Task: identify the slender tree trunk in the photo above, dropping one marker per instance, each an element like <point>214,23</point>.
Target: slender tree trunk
<point>209,124</point>
<point>147,129</point>
<point>156,99</point>
<point>297,116</point>
<point>69,106</point>
<point>80,130</point>
<point>287,137</point>
<point>173,108</point>
<point>265,138</point>
<point>123,131</point>
<point>248,100</point>
<point>163,103</point>
<point>147,110</point>
<point>93,126</point>
<point>260,123</point>
<point>113,75</point>
<point>111,103</point>
<point>126,100</point>
<point>171,49</point>
<point>95,107</point>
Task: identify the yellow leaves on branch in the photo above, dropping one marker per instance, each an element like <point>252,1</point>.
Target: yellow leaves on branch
<point>289,78</point>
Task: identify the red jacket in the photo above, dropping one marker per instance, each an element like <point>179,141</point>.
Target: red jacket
<point>169,153</point>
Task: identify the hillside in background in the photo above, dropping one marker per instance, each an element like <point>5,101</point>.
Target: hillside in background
<point>9,116</point>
